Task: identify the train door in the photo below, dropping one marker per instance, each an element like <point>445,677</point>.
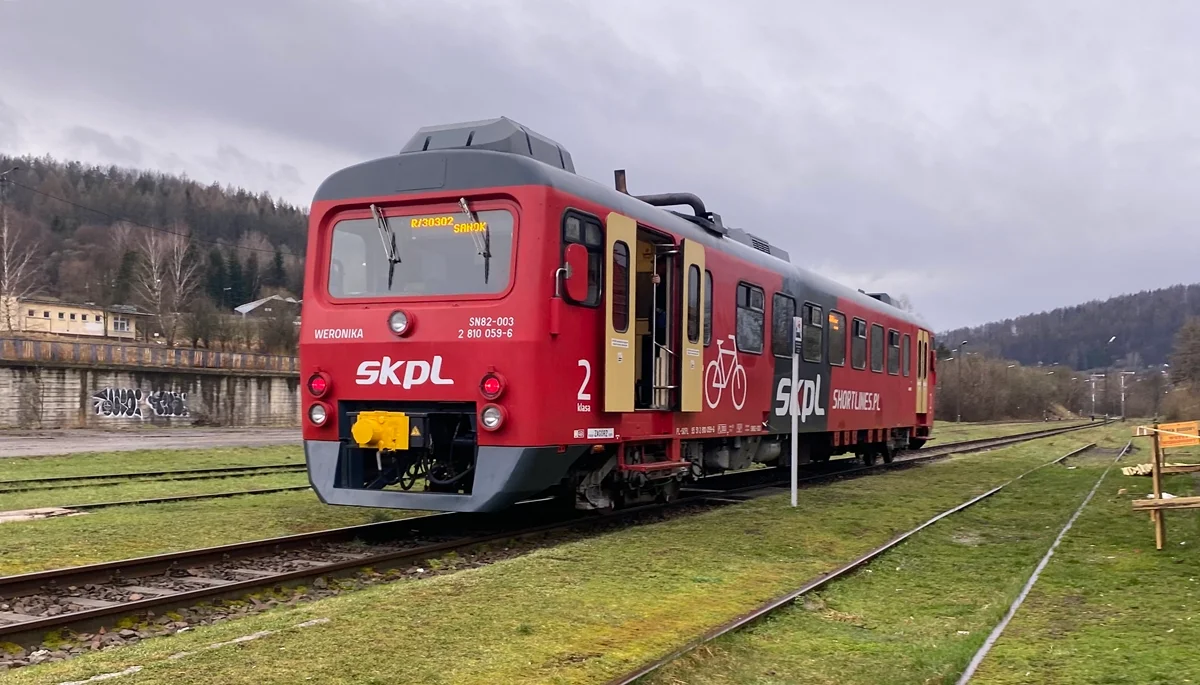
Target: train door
<point>922,371</point>
<point>620,289</point>
<point>691,361</point>
<point>657,319</point>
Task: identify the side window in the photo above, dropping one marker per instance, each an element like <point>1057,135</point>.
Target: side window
<point>876,348</point>
<point>708,305</point>
<point>837,338</point>
<point>693,312</point>
<point>620,267</point>
<point>811,334</point>
<point>905,357</point>
<point>783,309</point>
<point>893,352</point>
<point>858,345</point>
<point>586,231</point>
<point>751,316</point>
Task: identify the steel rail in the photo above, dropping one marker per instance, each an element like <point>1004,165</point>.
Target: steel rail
<point>738,483</point>
<point>54,482</point>
<point>777,603</point>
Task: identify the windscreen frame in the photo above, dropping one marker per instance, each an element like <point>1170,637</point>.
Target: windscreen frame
<point>397,210</point>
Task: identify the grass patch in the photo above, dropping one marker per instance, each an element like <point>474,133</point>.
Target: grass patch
<point>123,532</point>
<point>89,463</point>
<point>145,490</point>
<point>579,612</point>
<point>917,613</point>
<point>950,431</point>
<point>1109,608</point>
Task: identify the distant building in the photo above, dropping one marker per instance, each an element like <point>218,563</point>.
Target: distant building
<point>49,315</point>
<point>267,306</point>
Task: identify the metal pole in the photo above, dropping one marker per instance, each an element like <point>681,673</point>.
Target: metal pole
<point>794,397</point>
<point>962,352</point>
<point>1122,396</point>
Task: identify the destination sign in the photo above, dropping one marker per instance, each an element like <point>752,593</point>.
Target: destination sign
<point>448,221</point>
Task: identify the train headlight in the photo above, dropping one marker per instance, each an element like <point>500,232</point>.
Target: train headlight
<point>399,323</point>
<point>317,414</point>
<point>492,417</point>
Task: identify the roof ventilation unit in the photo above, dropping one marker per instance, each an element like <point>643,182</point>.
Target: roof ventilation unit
<point>500,135</point>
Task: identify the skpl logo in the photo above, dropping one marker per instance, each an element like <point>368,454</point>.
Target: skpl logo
<point>810,398</point>
<point>416,372</point>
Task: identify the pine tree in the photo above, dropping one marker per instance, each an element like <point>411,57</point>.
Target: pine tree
<point>252,278</point>
<point>1185,362</point>
<point>123,284</point>
<point>216,277</point>
<point>237,283</point>
<point>278,275</point>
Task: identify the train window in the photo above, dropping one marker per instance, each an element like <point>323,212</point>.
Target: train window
<point>586,231</point>
<point>811,333</point>
<point>783,310</point>
<point>837,338</point>
<point>751,317</point>
<point>876,348</point>
<point>708,305</point>
<point>920,358</point>
<point>620,294</point>
<point>436,255</point>
<point>906,356</point>
<point>893,352</point>
<point>858,345</point>
<point>693,312</point>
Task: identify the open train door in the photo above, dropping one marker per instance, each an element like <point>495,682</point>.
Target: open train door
<point>620,366</point>
<point>691,371</point>
<point>922,371</point>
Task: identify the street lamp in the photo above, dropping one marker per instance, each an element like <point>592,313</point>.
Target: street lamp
<point>1123,375</point>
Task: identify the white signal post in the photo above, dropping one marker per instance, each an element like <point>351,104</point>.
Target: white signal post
<point>797,325</point>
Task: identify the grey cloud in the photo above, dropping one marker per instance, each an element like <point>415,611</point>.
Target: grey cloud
<point>996,158</point>
<point>124,150</point>
<point>9,133</point>
<point>230,161</point>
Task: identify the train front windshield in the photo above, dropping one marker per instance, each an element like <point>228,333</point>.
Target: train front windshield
<point>433,255</point>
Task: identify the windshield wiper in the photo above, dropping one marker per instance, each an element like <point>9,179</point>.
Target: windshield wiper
<point>485,247</point>
<point>388,238</point>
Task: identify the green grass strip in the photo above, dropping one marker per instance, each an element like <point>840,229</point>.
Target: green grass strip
<point>583,611</point>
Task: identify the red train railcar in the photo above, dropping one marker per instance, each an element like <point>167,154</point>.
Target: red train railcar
<point>483,326</point>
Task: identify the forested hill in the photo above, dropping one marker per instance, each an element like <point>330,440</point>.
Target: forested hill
<point>246,242</point>
<point>1144,325</point>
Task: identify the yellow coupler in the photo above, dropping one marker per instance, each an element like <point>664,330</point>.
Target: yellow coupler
<point>385,430</point>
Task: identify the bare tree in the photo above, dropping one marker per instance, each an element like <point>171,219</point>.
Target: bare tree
<point>168,276</point>
<point>150,279</point>
<point>19,276</point>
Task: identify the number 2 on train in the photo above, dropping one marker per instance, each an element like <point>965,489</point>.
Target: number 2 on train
<point>587,376</point>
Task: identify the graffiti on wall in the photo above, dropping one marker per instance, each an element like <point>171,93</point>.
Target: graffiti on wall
<point>132,403</point>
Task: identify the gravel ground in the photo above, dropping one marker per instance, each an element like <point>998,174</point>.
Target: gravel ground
<point>46,443</point>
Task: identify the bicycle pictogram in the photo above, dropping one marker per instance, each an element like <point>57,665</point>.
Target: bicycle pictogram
<point>719,376</point>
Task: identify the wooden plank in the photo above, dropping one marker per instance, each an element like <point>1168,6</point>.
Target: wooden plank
<point>1173,503</point>
<point>1181,468</point>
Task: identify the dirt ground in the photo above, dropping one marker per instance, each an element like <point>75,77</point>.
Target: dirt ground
<point>39,443</point>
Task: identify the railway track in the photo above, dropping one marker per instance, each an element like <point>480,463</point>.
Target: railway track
<point>786,600</point>
<point>60,482</point>
<point>87,597</point>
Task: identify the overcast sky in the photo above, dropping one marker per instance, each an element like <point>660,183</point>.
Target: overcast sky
<point>986,159</point>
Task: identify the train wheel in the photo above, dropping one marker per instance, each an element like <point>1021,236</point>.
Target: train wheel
<point>868,457</point>
<point>888,454</point>
<point>916,443</point>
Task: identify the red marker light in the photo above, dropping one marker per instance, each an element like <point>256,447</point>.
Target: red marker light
<point>317,385</point>
<point>491,386</point>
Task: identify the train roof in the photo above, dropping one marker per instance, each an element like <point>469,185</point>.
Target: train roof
<point>500,152</point>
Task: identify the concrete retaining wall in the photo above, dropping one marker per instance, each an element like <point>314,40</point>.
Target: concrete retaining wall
<point>66,385</point>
